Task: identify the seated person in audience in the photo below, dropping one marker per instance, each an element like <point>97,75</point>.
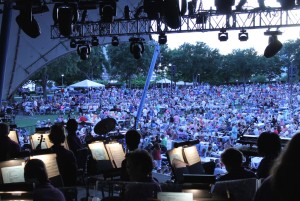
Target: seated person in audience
<point>269,147</point>
<point>66,160</point>
<point>233,161</point>
<point>8,147</point>
<point>132,139</point>
<point>35,171</point>
<point>75,144</point>
<point>283,182</point>
<point>139,166</point>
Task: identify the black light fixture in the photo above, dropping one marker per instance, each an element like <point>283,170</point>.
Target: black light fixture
<point>126,12</point>
<point>223,35</point>
<point>172,12</point>
<point>94,41</point>
<point>162,39</point>
<point>153,8</point>
<point>136,47</point>
<point>84,51</point>
<point>114,41</point>
<point>224,7</point>
<point>65,15</point>
<point>73,43</point>
<point>108,11</point>
<point>26,21</point>
<point>287,4</point>
<point>274,44</point>
<point>243,35</point>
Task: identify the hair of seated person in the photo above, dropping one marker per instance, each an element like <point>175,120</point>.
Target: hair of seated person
<point>269,144</point>
<point>4,129</point>
<point>142,159</point>
<point>72,125</point>
<point>232,158</point>
<point>132,138</point>
<point>35,171</point>
<point>57,134</point>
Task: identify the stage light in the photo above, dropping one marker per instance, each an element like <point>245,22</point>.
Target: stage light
<point>223,35</point>
<point>26,21</point>
<point>73,43</point>
<point>274,44</point>
<point>162,39</point>
<point>114,41</point>
<point>192,7</point>
<point>172,13</point>
<point>108,11</point>
<point>153,8</point>
<point>223,6</point>
<point>127,13</point>
<point>65,15</point>
<point>287,4</point>
<point>94,41</point>
<point>84,51</point>
<point>136,47</point>
<point>243,35</point>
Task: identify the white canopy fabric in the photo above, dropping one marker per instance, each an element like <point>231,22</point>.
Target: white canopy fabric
<point>87,84</point>
<point>164,81</point>
<point>180,83</point>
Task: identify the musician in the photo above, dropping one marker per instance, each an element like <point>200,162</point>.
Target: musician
<point>8,148</point>
<point>66,160</point>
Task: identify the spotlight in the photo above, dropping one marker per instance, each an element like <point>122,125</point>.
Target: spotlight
<point>192,7</point>
<point>243,35</point>
<point>95,41</point>
<point>84,51</point>
<point>136,47</point>
<point>172,13</point>
<point>274,44</point>
<point>26,21</point>
<point>224,7</point>
<point>108,11</point>
<point>127,12</point>
<point>162,39</point>
<point>153,8</point>
<point>73,43</point>
<point>223,35</point>
<point>114,41</point>
<point>287,4</point>
<point>65,15</point>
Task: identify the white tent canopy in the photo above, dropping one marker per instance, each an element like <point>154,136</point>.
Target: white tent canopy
<point>164,81</point>
<point>87,84</point>
<point>180,83</point>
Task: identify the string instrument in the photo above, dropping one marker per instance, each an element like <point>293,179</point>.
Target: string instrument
<point>39,146</point>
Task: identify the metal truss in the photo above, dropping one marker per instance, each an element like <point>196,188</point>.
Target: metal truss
<point>204,21</point>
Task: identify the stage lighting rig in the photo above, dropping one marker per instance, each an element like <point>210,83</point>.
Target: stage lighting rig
<point>224,7</point>
<point>83,49</point>
<point>274,44</point>
<point>162,39</point>
<point>223,35</point>
<point>94,41</point>
<point>115,41</point>
<point>243,35</point>
<point>73,43</point>
<point>137,47</point>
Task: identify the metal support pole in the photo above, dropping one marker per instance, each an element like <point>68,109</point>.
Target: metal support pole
<point>146,86</point>
<point>4,41</point>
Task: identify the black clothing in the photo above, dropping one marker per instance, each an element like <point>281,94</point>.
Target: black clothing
<point>265,165</point>
<point>8,148</point>
<point>239,173</point>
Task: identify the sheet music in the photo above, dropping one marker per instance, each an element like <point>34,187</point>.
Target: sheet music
<point>175,153</point>
<point>13,136</point>
<point>117,153</point>
<point>98,151</point>
<point>35,141</point>
<point>191,155</point>
<point>13,174</point>
<point>175,196</point>
<point>50,163</point>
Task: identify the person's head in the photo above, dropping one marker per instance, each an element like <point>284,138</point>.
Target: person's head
<point>4,129</point>
<point>232,158</point>
<point>139,164</point>
<point>35,171</point>
<point>269,144</point>
<point>57,134</point>
<point>72,126</point>
<point>132,138</point>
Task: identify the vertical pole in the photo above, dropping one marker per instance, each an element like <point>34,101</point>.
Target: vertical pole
<point>4,41</point>
<point>146,86</point>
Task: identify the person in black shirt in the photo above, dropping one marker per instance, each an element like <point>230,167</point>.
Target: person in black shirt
<point>8,147</point>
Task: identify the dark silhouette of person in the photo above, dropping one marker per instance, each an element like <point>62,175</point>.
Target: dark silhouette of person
<point>8,147</point>
<point>132,139</point>
<point>75,144</point>
<point>269,147</point>
<point>66,160</point>
<point>261,4</point>
<point>35,171</point>
<point>283,182</point>
<point>233,161</point>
